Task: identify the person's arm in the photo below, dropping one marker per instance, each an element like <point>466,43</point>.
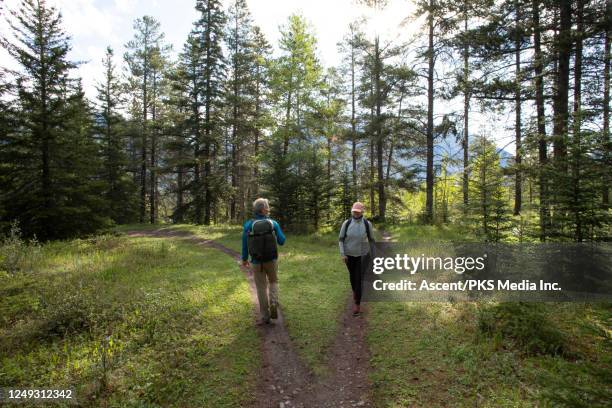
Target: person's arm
<point>372,243</point>
<point>280,237</point>
<point>245,247</point>
<point>340,241</point>
<point>372,231</point>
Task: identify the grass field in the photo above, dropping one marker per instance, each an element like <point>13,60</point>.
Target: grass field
<point>133,321</point>
<point>160,322</point>
<point>488,355</point>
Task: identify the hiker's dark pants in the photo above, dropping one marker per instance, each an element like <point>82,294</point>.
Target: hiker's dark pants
<point>354,265</point>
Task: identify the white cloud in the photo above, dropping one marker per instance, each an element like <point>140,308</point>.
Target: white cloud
<point>125,6</point>
<point>330,20</point>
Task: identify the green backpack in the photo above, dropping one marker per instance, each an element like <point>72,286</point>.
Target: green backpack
<point>261,240</point>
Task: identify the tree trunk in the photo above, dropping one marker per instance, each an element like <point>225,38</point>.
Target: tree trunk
<point>379,139</point>
<point>143,154</point>
<point>256,141</point>
<point>577,142</point>
<point>390,156</point>
<point>47,188</point>
<point>541,119</point>
<point>353,125</point>
<point>288,116</point>
<point>607,143</point>
<point>235,142</point>
<point>152,175</point>
<point>179,194</point>
<point>466,113</point>
<point>430,110</point>
<point>560,103</point>
<point>372,206</point>
<point>207,132</point>
<point>517,109</point>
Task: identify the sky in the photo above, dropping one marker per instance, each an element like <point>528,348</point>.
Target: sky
<point>95,24</point>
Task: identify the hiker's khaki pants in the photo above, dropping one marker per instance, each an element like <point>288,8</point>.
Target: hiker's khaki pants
<point>265,276</point>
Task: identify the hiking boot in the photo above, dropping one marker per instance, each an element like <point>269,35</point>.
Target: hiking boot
<point>273,311</point>
<point>263,322</point>
<point>356,310</point>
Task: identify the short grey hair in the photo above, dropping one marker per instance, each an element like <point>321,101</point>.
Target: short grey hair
<point>260,204</point>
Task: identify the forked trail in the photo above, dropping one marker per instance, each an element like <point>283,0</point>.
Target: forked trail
<point>284,380</point>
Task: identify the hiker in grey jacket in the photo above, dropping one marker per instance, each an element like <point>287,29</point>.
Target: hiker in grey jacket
<point>354,241</point>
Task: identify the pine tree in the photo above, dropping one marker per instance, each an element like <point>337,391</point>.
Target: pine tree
<point>295,78</point>
<point>50,154</point>
<point>351,48</point>
<point>437,26</point>
<point>327,119</point>
<point>488,206</point>
<point>260,90</point>
<point>208,31</point>
<point>7,138</point>
<point>377,84</point>
<point>538,81</point>
<point>240,100</point>
<point>140,60</point>
<point>499,46</point>
<point>77,183</point>
<point>189,83</point>
<point>464,22</point>
<point>606,137</point>
<point>110,126</point>
<point>159,83</point>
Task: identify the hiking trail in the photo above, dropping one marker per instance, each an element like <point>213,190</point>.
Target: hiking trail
<point>284,380</point>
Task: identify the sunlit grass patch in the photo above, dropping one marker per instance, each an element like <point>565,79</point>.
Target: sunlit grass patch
<point>414,232</point>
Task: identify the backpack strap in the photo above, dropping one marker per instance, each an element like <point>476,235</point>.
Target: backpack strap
<point>271,226</point>
<point>347,222</point>
<point>254,220</point>
<point>367,227</point>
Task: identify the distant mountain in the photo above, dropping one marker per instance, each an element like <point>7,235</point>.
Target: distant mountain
<point>452,149</point>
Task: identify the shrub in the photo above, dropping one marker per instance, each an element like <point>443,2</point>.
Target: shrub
<point>16,254</point>
<point>577,385</point>
<point>524,323</point>
<point>67,313</point>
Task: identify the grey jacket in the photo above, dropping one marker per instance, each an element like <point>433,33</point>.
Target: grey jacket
<point>356,242</point>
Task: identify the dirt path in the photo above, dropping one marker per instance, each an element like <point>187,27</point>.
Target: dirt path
<point>285,381</point>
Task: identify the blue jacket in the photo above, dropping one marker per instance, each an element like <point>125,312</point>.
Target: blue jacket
<point>280,237</point>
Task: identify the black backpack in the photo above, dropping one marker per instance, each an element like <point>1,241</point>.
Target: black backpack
<point>367,227</point>
<point>261,240</point>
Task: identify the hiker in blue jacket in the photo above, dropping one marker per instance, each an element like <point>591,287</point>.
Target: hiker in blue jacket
<point>259,238</point>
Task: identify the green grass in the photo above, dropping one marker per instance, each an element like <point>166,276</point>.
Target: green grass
<point>181,324</point>
<point>131,322</point>
<point>434,355</point>
<point>436,233</point>
<point>466,354</point>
